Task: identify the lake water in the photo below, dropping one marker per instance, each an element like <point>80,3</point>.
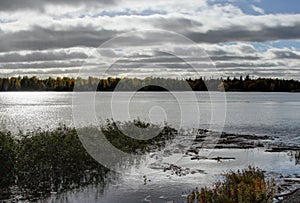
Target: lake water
<point>275,114</point>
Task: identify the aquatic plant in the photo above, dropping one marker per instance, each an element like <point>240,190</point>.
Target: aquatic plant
<point>7,163</point>
<point>297,157</point>
<point>248,185</point>
<point>53,161</point>
<point>294,155</point>
<point>139,131</point>
<point>37,163</point>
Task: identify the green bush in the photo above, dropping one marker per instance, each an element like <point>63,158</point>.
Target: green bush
<point>246,186</point>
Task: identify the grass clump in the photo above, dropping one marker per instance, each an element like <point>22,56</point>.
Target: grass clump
<point>246,186</point>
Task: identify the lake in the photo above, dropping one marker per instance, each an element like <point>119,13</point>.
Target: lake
<point>276,114</point>
<point>273,114</point>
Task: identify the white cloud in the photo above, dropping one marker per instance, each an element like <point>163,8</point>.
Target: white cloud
<point>48,38</point>
<point>258,9</point>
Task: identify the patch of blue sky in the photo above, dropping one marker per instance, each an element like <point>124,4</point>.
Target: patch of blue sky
<point>129,12</point>
<point>5,20</point>
<point>269,6</point>
<point>245,6</point>
<point>279,6</point>
<point>264,46</point>
<point>286,43</point>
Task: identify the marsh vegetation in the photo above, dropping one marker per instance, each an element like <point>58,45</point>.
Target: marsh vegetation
<point>35,164</point>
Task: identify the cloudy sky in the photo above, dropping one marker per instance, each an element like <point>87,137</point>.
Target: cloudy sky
<point>60,38</point>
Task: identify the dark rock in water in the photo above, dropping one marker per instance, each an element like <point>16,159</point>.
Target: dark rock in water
<point>181,171</point>
<point>222,158</point>
<point>200,136</point>
<point>291,197</point>
<point>198,157</point>
<point>202,131</point>
<point>199,140</point>
<point>242,146</point>
<point>283,148</point>
<point>195,151</point>
<point>211,139</point>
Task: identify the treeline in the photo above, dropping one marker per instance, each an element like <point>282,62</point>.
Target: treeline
<point>148,84</point>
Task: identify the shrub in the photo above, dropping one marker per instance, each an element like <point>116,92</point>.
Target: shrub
<point>248,185</point>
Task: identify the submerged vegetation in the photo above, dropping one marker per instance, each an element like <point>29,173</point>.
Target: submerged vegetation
<point>148,84</point>
<point>34,164</point>
<point>246,186</point>
<point>295,156</point>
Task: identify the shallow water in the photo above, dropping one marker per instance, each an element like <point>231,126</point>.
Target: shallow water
<point>164,185</point>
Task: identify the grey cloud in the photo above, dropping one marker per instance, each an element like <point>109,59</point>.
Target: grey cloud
<point>42,65</point>
<point>249,64</point>
<point>184,59</point>
<point>230,58</point>
<point>13,5</point>
<point>47,72</point>
<point>243,33</point>
<point>41,56</point>
<point>260,69</point>
<point>285,54</point>
<point>39,38</point>
<point>178,23</point>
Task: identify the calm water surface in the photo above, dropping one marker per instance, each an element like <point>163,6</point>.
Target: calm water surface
<point>276,114</point>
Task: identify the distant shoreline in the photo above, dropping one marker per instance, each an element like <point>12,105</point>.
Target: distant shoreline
<point>66,84</point>
<point>151,91</point>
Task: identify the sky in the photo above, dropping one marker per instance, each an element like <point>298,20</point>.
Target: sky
<point>141,38</point>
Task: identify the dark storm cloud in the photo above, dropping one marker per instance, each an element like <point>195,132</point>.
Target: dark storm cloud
<point>265,33</point>
<point>39,38</point>
<point>13,5</point>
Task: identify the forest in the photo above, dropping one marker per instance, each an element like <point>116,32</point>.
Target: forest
<point>34,83</point>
